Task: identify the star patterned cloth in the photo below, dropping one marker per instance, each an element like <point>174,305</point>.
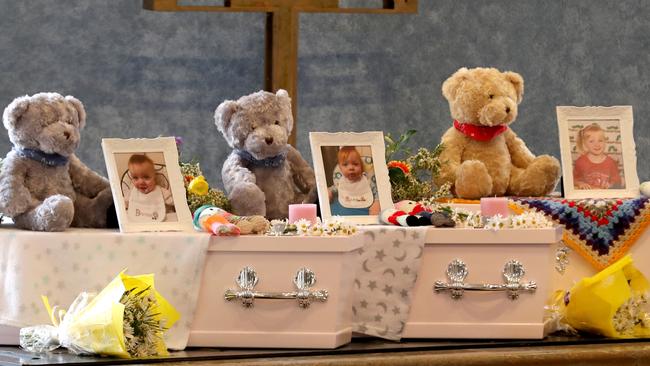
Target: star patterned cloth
<point>601,230</point>
<point>61,265</point>
<point>388,266</point>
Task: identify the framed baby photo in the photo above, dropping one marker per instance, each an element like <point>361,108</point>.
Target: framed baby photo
<point>147,184</point>
<point>598,152</point>
<point>351,175</point>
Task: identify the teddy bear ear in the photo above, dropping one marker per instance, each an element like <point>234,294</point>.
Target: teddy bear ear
<point>223,114</point>
<point>285,101</point>
<point>81,111</point>
<point>284,97</point>
<point>451,85</point>
<point>15,111</point>
<point>518,82</point>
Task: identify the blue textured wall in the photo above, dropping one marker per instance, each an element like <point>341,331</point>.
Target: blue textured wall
<point>143,74</point>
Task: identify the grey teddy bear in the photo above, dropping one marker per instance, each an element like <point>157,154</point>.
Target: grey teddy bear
<point>43,185</point>
<point>263,174</point>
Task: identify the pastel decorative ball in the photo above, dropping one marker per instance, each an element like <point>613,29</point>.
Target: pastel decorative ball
<point>645,188</point>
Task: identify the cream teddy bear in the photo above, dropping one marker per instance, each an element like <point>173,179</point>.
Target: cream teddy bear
<point>482,156</point>
<point>43,185</point>
<point>263,174</point>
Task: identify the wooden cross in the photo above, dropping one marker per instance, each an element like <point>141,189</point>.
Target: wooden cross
<point>281,53</point>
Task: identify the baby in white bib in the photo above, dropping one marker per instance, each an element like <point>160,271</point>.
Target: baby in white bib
<point>146,200</point>
<point>353,191</point>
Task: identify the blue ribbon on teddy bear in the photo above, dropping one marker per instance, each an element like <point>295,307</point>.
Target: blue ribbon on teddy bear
<point>270,162</point>
<point>42,157</point>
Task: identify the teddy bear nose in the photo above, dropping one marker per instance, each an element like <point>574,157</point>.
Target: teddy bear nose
<point>268,140</point>
<point>67,135</point>
<point>507,109</point>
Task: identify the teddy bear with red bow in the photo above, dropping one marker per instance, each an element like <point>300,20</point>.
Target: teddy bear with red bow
<point>483,156</point>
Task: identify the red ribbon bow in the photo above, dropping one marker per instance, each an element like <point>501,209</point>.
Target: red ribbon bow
<point>480,133</point>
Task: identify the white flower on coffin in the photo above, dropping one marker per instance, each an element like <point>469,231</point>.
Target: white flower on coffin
<point>352,230</point>
<point>302,226</point>
<point>496,222</point>
<point>517,222</point>
<point>475,220</point>
<point>316,230</point>
<point>331,226</point>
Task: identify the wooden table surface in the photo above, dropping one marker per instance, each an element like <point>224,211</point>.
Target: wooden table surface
<point>552,351</point>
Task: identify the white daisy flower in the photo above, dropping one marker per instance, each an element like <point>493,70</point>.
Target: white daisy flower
<point>302,226</point>
<point>316,230</point>
<point>331,225</point>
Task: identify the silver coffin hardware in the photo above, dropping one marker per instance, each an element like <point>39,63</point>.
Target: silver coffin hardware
<point>513,272</point>
<point>303,280</point>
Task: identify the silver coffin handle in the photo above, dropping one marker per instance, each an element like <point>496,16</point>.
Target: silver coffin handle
<point>513,272</point>
<point>303,281</point>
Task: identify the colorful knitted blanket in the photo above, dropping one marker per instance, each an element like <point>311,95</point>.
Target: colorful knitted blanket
<point>601,230</point>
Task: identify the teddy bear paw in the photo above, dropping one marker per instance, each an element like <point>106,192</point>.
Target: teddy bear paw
<point>473,180</point>
<point>54,214</point>
<point>539,178</point>
<point>248,200</point>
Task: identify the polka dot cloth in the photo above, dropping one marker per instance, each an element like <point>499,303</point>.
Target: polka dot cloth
<point>61,265</point>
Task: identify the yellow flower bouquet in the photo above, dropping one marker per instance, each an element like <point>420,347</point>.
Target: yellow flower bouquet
<point>612,303</point>
<point>126,319</point>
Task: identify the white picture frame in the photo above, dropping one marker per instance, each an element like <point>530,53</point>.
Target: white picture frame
<point>584,177</point>
<point>371,144</point>
<point>163,153</point>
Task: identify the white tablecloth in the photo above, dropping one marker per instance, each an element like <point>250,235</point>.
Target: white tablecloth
<point>61,265</point>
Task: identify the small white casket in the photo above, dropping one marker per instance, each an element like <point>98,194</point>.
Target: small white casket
<point>264,291</point>
<point>476,283</point>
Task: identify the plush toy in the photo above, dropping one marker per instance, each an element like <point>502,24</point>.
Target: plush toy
<point>212,220</point>
<point>263,174</point>
<point>220,222</point>
<point>411,213</point>
<point>483,156</point>
<point>43,185</point>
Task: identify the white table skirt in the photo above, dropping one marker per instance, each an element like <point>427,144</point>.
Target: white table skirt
<point>61,265</point>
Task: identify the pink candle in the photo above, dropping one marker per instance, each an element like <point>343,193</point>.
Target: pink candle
<point>305,211</point>
<point>492,206</point>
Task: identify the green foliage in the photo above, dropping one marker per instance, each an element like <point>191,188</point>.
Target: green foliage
<point>424,165</point>
<point>143,330</point>
<point>396,147</point>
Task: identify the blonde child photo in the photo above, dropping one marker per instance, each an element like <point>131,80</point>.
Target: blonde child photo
<point>353,193</point>
<point>594,168</point>
<point>146,201</point>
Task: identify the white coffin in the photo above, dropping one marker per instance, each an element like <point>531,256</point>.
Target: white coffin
<point>578,267</point>
<point>276,323</point>
<point>483,314</point>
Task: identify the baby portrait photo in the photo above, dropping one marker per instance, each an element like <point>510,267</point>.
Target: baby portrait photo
<point>598,152</point>
<point>351,174</point>
<point>147,184</point>
<point>352,187</point>
<point>145,187</point>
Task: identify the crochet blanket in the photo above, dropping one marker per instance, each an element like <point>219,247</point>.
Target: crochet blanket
<point>600,230</point>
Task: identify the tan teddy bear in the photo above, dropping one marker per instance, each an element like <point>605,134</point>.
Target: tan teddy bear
<point>482,156</point>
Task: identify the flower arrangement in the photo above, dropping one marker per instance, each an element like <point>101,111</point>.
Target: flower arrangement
<point>126,319</point>
<point>474,219</point>
<point>632,315</point>
<point>612,303</point>
<point>143,330</point>
<point>411,178</point>
<point>336,226</point>
<point>198,190</point>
